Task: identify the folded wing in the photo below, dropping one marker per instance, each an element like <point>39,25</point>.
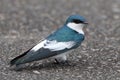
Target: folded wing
<point>43,50</point>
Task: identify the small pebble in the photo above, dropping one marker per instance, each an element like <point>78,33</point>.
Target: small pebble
<point>118,70</point>
<point>36,72</point>
<point>116,17</point>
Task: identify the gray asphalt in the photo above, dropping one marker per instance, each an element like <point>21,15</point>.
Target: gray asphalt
<point>23,23</point>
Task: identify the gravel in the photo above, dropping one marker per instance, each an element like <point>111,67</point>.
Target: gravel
<point>23,23</point>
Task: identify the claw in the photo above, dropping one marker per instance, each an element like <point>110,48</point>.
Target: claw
<point>62,62</point>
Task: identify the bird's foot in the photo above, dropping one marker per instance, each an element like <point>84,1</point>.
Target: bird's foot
<point>66,62</point>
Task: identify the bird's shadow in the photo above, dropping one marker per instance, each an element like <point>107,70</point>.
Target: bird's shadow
<point>47,66</point>
<point>53,65</point>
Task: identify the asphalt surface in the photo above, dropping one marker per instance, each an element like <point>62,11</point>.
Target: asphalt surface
<point>23,23</point>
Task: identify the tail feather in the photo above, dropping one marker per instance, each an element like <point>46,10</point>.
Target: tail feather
<point>14,61</point>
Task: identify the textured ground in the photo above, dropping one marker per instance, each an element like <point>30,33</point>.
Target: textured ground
<point>24,22</point>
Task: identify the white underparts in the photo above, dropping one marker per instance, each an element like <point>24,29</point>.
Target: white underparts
<point>54,45</point>
<point>61,57</point>
<point>76,27</point>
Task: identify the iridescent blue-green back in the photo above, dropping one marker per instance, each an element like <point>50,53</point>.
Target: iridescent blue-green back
<point>65,34</point>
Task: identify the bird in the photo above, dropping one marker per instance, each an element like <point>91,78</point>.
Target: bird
<point>68,37</point>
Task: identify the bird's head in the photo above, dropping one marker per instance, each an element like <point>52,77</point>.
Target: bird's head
<point>76,22</point>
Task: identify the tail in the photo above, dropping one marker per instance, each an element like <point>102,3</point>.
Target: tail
<point>17,60</point>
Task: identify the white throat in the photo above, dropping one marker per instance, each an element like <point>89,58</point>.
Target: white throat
<point>76,27</point>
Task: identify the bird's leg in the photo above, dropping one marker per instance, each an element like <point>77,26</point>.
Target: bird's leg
<point>66,62</point>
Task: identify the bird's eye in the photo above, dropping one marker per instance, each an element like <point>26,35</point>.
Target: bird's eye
<point>77,21</point>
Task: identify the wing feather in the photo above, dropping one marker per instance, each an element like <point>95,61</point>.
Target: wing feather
<point>54,45</point>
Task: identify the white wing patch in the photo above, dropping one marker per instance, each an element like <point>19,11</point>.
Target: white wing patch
<point>54,45</point>
<point>38,46</point>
